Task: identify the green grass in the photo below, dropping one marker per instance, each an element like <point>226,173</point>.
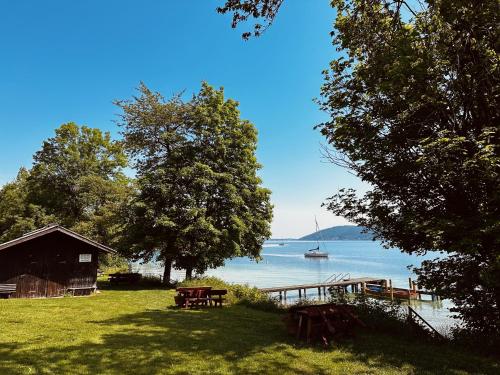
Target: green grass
<point>139,332</point>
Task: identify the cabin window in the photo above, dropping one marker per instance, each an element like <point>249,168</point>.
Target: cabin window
<point>85,258</point>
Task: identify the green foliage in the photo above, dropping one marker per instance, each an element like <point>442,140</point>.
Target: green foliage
<point>237,293</point>
<point>77,177</point>
<point>76,181</point>
<point>17,214</point>
<point>112,263</point>
<point>415,111</point>
<point>199,198</point>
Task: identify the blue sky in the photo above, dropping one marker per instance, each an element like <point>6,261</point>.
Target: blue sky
<point>64,61</point>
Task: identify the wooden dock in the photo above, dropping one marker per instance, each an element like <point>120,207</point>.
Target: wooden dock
<point>371,286</point>
<point>356,285</point>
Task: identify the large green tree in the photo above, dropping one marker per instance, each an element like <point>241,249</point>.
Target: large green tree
<point>199,198</point>
<point>414,105</point>
<point>76,180</point>
<point>17,214</point>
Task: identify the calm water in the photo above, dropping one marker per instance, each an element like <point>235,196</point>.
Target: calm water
<point>286,265</point>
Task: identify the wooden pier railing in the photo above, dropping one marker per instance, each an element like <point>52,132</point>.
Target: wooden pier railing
<point>371,286</point>
<point>415,317</point>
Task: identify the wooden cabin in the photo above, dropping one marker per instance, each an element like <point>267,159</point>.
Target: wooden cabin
<point>50,262</point>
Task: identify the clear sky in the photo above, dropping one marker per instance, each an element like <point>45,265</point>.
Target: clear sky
<point>64,61</point>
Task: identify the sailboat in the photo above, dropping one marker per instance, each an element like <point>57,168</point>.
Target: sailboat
<point>316,253</point>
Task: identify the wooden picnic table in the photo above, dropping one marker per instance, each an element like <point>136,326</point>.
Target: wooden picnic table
<point>74,290</point>
<point>199,296</point>
<point>216,296</point>
<point>119,277</point>
<point>323,321</point>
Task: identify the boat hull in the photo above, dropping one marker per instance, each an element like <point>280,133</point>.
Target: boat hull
<point>321,255</point>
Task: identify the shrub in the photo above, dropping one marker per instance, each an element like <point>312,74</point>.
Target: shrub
<point>112,263</point>
<point>237,294</point>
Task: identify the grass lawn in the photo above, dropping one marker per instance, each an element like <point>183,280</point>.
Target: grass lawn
<point>139,332</point>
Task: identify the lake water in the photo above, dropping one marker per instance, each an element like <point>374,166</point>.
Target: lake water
<point>286,265</point>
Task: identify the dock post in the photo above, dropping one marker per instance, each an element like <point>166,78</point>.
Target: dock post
<point>324,292</point>
<point>305,296</point>
<point>392,290</point>
<point>300,293</point>
<point>281,297</point>
<point>319,293</point>
<point>284,295</point>
<point>363,287</point>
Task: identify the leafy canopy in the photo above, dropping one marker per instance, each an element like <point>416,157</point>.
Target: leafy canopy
<point>414,105</point>
<point>76,180</point>
<point>199,198</point>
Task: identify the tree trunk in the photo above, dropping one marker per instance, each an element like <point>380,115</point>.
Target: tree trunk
<point>189,273</point>
<point>167,272</point>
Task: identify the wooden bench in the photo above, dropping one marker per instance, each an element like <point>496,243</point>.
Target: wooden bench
<point>74,289</point>
<point>126,278</point>
<point>215,296</point>
<point>6,290</point>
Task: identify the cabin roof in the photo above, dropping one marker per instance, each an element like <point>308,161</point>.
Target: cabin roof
<point>51,229</point>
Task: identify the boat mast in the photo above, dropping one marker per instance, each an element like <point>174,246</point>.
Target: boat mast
<point>318,235</point>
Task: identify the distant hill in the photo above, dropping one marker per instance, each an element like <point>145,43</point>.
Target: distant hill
<point>343,232</point>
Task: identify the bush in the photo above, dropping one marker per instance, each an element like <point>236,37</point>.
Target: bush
<point>237,294</point>
<point>112,263</point>
<point>479,342</point>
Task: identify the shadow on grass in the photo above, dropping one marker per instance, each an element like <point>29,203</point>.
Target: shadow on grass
<point>158,341</point>
<point>218,340</point>
<point>425,357</point>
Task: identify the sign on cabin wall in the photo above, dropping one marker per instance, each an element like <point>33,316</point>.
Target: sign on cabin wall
<point>85,258</point>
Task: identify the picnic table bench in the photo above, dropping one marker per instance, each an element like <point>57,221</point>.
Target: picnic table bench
<point>6,290</point>
<point>131,278</point>
<point>72,290</point>
<point>215,296</point>
<point>199,296</point>
<point>323,322</point>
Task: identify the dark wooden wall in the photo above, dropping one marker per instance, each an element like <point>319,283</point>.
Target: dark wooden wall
<point>48,265</point>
